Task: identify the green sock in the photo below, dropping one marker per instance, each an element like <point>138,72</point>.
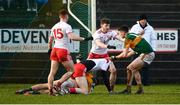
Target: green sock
<point>30,89</point>
<point>140,86</point>
<point>129,88</point>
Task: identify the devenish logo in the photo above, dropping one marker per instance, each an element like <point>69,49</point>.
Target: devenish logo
<point>17,36</point>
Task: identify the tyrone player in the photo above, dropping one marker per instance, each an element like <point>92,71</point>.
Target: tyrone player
<point>99,50</point>
<point>61,33</point>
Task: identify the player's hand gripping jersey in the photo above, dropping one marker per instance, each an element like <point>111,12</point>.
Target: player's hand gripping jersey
<point>137,43</point>
<point>104,38</point>
<point>59,32</point>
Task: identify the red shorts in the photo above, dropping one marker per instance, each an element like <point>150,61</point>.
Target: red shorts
<point>79,70</point>
<point>96,56</point>
<point>60,55</point>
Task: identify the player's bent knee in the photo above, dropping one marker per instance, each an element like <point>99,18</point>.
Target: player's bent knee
<point>113,70</point>
<point>130,67</point>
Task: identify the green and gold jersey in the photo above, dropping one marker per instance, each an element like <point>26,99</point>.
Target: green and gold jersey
<point>137,43</point>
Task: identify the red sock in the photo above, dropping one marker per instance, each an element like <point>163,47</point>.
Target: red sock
<point>72,90</point>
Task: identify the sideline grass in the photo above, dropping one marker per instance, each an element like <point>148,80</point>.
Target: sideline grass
<point>154,94</point>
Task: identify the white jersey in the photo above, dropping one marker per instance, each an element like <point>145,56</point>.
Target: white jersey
<point>59,31</point>
<point>104,38</point>
<point>101,64</point>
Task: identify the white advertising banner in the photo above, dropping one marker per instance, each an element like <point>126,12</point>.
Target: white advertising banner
<point>167,41</point>
<point>29,40</point>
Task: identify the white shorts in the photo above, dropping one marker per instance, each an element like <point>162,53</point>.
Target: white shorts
<point>148,58</point>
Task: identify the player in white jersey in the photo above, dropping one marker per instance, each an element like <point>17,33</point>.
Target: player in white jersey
<point>61,32</point>
<point>99,49</point>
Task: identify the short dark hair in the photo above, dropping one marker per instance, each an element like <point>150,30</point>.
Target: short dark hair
<point>63,12</point>
<point>142,16</point>
<point>105,21</point>
<point>123,28</point>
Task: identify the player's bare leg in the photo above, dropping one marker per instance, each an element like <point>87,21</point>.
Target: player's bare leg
<point>83,85</point>
<point>69,65</point>
<point>113,75</point>
<point>42,86</point>
<point>129,77</point>
<point>135,66</point>
<point>44,91</point>
<point>38,87</point>
<point>129,81</point>
<point>137,77</point>
<point>139,83</point>
<point>132,69</point>
<point>54,68</point>
<point>34,88</point>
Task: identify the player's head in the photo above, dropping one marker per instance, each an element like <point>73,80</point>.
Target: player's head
<point>123,30</point>
<point>79,58</point>
<point>105,24</point>
<point>142,20</point>
<point>63,14</point>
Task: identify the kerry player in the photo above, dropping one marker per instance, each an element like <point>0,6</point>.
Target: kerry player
<point>146,56</point>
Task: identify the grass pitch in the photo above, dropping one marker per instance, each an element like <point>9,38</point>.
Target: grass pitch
<point>154,94</point>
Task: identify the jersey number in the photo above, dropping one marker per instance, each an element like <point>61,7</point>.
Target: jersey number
<point>58,33</point>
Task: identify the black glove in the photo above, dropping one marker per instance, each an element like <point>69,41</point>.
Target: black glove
<point>113,58</point>
<point>88,38</point>
<point>111,47</point>
<point>49,52</point>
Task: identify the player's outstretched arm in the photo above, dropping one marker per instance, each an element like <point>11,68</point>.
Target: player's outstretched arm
<point>74,37</point>
<point>100,44</point>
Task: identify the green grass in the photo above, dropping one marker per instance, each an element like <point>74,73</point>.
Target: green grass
<point>154,94</point>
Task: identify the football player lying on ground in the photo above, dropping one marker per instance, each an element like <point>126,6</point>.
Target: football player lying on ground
<point>82,84</point>
<point>57,88</point>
